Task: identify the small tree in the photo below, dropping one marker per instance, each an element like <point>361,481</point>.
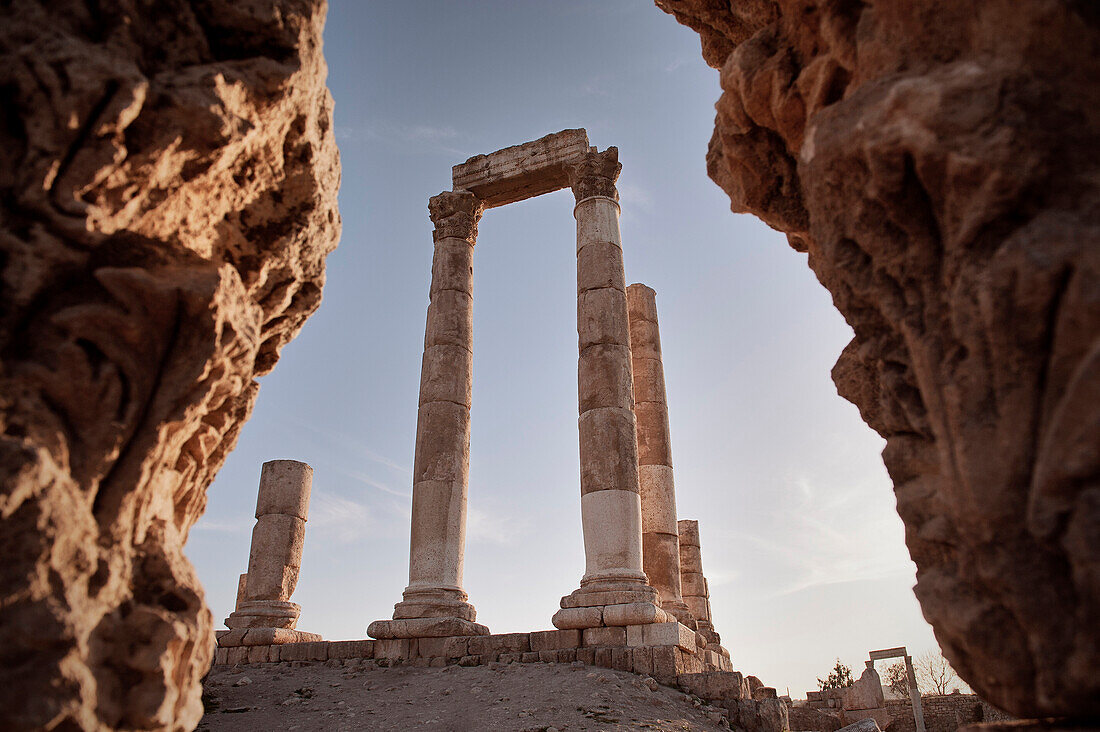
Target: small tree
<point>897,679</point>
<point>839,678</point>
<point>936,673</point>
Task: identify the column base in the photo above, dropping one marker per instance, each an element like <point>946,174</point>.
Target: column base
<point>610,603</point>
<point>264,614</point>
<point>681,612</point>
<point>438,627</point>
<point>429,612</point>
<point>264,637</point>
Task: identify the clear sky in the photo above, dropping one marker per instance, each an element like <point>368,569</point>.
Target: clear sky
<point>801,543</point>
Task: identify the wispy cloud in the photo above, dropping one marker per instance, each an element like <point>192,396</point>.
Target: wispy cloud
<point>344,519</point>
<point>336,438</point>
<point>418,136</point>
<point>829,536</point>
<point>492,528</point>
<point>224,527</point>
<point>635,198</point>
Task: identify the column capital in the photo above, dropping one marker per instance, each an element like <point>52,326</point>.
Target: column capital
<point>595,174</point>
<point>455,214</point>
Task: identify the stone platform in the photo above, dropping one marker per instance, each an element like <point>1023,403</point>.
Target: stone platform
<point>658,650</point>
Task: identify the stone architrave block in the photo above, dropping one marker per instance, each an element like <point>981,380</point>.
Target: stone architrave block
<point>604,636</point>
<point>553,640</point>
<point>521,171</point>
<point>351,649</point>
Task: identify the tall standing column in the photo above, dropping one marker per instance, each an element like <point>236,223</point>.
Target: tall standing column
<point>660,535</point>
<point>611,513</point>
<point>434,603</point>
<point>694,584</point>
<point>282,507</point>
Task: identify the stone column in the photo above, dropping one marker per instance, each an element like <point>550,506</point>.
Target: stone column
<point>660,540</point>
<point>611,513</point>
<point>694,585</point>
<point>282,507</point>
<point>434,603</point>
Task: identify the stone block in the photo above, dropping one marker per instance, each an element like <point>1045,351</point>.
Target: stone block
<point>529,657</point>
<point>450,319</point>
<point>643,661</point>
<point>439,464</point>
<point>658,490</point>
<point>452,266</point>
<point>221,656</point>
<point>712,685</point>
<point>567,655</point>
<point>603,658</point>
<point>600,265</point>
<point>604,637</point>
<point>597,223</point>
<point>622,659</point>
<point>649,380</point>
<point>506,643</point>
<point>603,376</point>
<point>691,583</point>
<point>236,656</point>
<point>455,647</point>
<point>586,656</point>
<point>577,618</point>
<point>432,647</point>
<point>393,648</point>
<point>510,657</point>
<point>662,634</point>
<point>351,649</point>
<point>284,489</point>
<point>652,421</point>
<point>446,374</point>
<point>599,598</point>
<point>548,656</point>
<point>635,613</point>
<point>666,665</point>
<point>521,171</point>
<point>553,640</point>
<point>645,338</point>
<point>261,654</point>
<point>469,661</point>
<point>601,318</point>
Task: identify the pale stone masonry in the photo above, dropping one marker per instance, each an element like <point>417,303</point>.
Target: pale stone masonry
<point>434,603</point>
<point>614,590</point>
<point>695,591</point>
<point>264,613</point>
<point>660,534</point>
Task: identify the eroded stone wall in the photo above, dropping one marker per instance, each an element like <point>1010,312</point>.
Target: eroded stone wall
<point>168,181</point>
<point>940,162</point>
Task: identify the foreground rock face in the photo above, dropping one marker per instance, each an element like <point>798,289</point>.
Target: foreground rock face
<point>940,162</point>
<point>168,187</point>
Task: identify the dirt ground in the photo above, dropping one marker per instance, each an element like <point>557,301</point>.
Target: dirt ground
<point>357,695</point>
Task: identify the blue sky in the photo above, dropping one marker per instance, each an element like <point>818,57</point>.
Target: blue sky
<point>801,543</point>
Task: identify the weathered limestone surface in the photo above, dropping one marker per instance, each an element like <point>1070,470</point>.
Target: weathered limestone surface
<point>660,541</point>
<point>275,557</point>
<point>168,183</point>
<point>940,163</point>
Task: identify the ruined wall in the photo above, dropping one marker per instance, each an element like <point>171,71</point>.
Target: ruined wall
<point>168,181</point>
<point>940,162</point>
<point>942,713</point>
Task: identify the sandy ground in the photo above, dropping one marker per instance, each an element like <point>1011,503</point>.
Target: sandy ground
<point>529,697</point>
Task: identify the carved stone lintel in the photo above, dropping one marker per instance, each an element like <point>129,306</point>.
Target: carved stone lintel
<point>595,174</point>
<point>455,214</point>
